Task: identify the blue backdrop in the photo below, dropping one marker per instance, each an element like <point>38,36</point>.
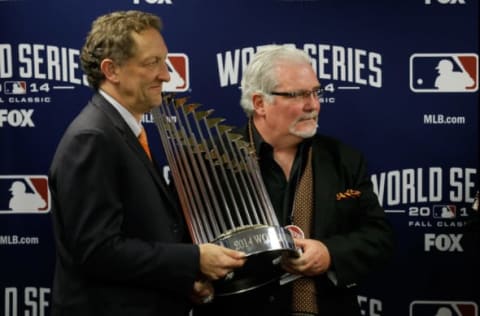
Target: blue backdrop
<point>379,62</point>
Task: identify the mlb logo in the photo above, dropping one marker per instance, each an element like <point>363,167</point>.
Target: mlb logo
<point>178,67</point>
<point>443,308</point>
<point>24,194</point>
<point>444,211</point>
<point>15,87</point>
<point>444,73</point>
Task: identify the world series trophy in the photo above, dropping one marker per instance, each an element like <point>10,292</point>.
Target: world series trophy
<point>221,192</point>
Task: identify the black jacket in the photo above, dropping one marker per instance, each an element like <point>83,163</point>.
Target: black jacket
<point>118,230</point>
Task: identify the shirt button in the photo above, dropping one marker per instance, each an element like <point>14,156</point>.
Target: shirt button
<point>271,298</point>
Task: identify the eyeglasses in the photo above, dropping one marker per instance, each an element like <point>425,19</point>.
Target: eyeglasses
<point>317,93</point>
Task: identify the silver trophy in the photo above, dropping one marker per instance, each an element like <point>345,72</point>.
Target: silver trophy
<point>222,194</point>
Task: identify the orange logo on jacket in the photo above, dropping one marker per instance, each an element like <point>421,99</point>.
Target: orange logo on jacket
<point>349,194</point>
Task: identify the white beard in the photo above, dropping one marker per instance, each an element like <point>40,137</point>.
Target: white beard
<point>304,134</point>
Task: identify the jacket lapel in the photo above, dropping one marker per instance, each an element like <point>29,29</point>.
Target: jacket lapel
<point>324,189</point>
<point>134,145</point>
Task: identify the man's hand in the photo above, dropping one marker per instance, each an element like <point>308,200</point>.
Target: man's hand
<point>216,261</point>
<point>202,292</point>
<point>315,258</point>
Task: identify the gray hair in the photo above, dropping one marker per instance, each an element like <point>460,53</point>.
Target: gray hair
<point>260,76</point>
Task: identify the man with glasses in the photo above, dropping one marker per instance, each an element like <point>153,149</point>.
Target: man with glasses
<point>314,182</point>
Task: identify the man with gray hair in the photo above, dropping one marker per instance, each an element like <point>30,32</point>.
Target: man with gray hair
<point>315,182</point>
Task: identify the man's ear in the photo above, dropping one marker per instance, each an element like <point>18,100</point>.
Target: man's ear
<point>258,104</point>
<point>109,69</point>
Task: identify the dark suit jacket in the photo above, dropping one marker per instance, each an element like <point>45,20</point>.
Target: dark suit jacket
<point>118,228</point>
<point>355,230</point>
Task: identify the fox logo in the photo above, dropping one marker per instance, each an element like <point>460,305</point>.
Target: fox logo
<point>444,72</point>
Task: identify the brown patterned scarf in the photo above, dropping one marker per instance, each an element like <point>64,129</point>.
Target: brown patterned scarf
<point>304,293</point>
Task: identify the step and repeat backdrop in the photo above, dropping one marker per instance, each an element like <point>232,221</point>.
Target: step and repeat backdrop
<point>401,81</point>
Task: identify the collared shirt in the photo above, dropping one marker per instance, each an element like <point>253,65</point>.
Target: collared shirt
<point>128,117</point>
<point>280,189</point>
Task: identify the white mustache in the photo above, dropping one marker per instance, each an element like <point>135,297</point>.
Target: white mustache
<point>309,116</point>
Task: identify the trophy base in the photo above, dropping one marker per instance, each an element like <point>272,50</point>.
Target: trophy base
<point>264,246</point>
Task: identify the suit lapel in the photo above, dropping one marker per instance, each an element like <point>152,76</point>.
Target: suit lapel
<point>324,186</point>
<point>134,144</point>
